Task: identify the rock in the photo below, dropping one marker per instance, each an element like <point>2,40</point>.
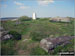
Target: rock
<point>6,37</point>
<point>50,43</point>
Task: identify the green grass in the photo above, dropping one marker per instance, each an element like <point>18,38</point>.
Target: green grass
<point>35,30</point>
<point>38,51</point>
<point>7,47</point>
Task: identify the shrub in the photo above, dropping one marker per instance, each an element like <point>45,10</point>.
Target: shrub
<point>24,18</point>
<point>15,34</point>
<point>57,49</point>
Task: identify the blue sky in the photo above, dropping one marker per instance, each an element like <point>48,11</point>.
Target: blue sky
<point>46,8</point>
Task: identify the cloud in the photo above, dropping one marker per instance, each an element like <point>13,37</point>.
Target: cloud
<point>2,0</point>
<point>4,5</point>
<point>23,7</point>
<point>18,3</point>
<point>45,2</point>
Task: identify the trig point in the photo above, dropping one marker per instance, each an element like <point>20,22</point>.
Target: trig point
<point>34,16</point>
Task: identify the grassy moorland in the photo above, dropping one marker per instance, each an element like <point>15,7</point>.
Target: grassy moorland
<point>32,31</point>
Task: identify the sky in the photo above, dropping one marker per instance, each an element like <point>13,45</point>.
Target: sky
<point>42,8</point>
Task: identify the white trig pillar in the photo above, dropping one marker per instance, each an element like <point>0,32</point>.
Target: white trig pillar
<point>34,16</point>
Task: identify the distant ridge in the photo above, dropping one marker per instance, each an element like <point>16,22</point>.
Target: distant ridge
<point>8,18</point>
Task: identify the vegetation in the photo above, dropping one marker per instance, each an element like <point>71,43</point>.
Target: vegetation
<point>16,35</point>
<point>24,18</point>
<point>31,32</point>
<point>7,47</point>
<point>38,51</point>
